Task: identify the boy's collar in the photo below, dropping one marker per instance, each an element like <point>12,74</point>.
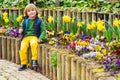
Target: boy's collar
<point>26,17</point>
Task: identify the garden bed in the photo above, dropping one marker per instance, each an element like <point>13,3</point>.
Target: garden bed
<point>56,64</point>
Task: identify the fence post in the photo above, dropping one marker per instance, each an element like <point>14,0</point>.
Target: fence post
<point>4,47</point>
<point>17,45</point>
<point>8,49</point>
<point>59,67</point>
<point>13,49</point>
<point>40,57</point>
<point>1,47</point>
<point>78,70</point>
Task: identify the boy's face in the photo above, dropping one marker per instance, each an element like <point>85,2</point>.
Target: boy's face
<point>31,13</point>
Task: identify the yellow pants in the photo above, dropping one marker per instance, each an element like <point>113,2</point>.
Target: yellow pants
<point>33,42</point>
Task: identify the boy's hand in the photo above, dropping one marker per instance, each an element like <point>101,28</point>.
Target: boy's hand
<point>20,31</point>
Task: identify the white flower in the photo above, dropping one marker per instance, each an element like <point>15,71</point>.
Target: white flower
<point>78,47</point>
<point>86,55</point>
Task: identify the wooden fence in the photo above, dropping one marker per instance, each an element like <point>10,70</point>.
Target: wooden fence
<point>72,12</point>
<point>69,67</point>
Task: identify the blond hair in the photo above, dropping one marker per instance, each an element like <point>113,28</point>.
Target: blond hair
<point>30,6</point>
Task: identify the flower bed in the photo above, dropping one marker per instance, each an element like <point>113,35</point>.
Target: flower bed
<point>57,64</point>
<point>89,46</point>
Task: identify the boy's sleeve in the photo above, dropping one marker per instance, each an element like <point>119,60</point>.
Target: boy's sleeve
<point>22,24</point>
<point>43,32</point>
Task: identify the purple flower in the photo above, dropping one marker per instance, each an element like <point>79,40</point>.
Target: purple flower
<point>118,61</point>
<point>58,43</point>
<point>78,36</point>
<point>84,48</point>
<point>106,64</point>
<point>66,32</point>
<point>110,58</point>
<point>84,37</point>
<point>91,40</point>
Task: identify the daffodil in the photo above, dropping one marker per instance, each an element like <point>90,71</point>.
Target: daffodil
<point>100,24</point>
<point>89,26</point>
<point>116,22</point>
<point>19,18</point>
<point>50,22</point>
<point>39,15</point>
<point>100,27</point>
<point>5,14</point>
<point>6,20</point>
<point>66,18</point>
<point>50,19</point>
<point>79,24</point>
<point>73,21</point>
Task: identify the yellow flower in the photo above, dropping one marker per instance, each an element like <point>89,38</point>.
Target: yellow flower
<point>89,26</point>
<point>5,14</point>
<point>104,51</point>
<point>82,22</point>
<point>39,15</point>
<point>51,42</point>
<point>116,22</point>
<point>99,55</point>
<point>4,17</point>
<point>109,54</point>
<point>61,32</point>
<point>98,47</point>
<point>100,27</point>
<point>79,24</point>
<point>66,19</point>
<point>6,20</point>
<point>93,24</point>
<point>73,21</point>
<point>50,19</point>
<point>99,22</point>
<point>19,18</point>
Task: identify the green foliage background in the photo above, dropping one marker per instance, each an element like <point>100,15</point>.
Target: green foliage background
<point>83,5</point>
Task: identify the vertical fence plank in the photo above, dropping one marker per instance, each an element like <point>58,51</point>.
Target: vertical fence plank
<point>40,57</point>
<point>45,53</point>
<point>17,45</point>
<point>73,69</point>
<point>43,60</point>
<point>54,73</point>
<point>83,74</point>
<point>58,19</point>
<point>59,67</point>
<point>8,49</point>
<point>84,16</point>
<point>12,49</point>
<point>94,16</point>
<point>78,70</point>
<point>4,47</point>
<point>1,47</point>
<point>63,66</point>
<point>47,61</point>
<point>50,66</point>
